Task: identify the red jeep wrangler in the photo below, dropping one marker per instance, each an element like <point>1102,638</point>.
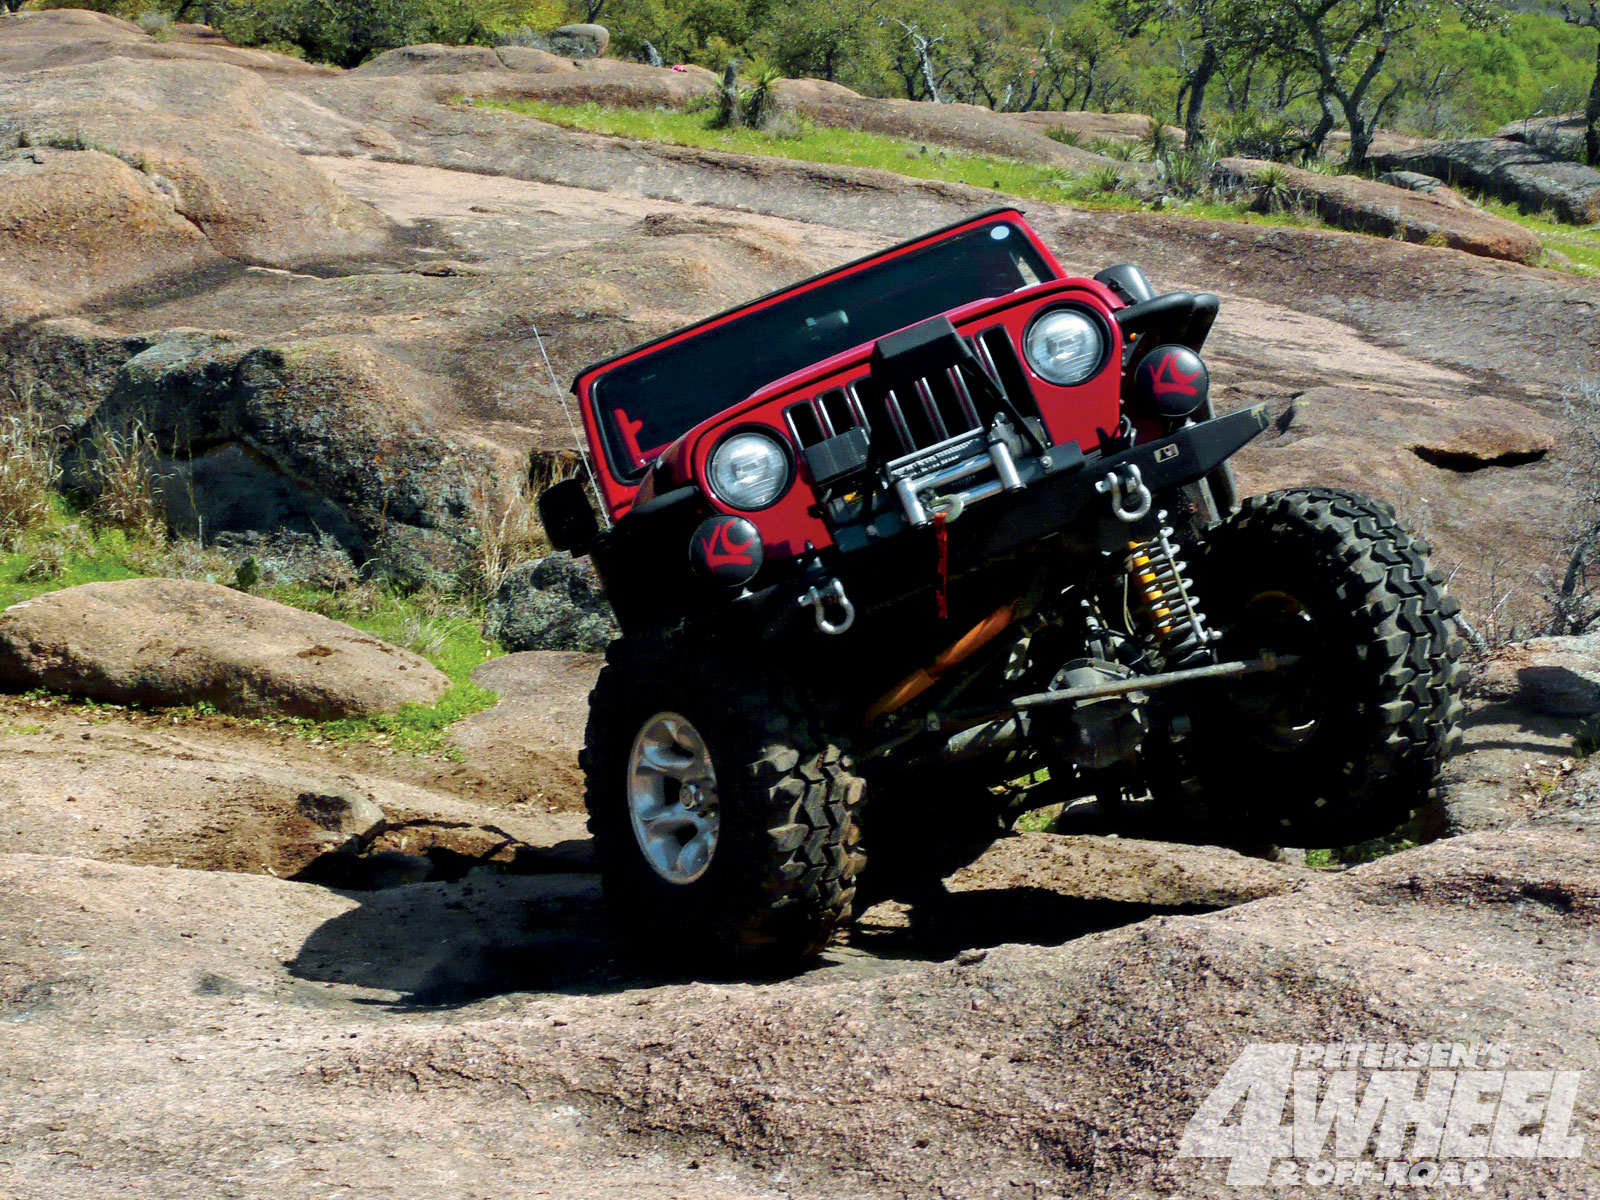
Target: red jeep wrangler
<point>944,534</point>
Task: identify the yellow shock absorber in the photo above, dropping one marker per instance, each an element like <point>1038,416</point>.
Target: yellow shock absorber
<point>1166,599</point>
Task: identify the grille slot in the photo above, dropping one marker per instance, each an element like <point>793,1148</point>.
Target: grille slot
<point>915,417</point>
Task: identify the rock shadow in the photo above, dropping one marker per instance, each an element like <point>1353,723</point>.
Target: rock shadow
<point>940,926</point>
<point>452,943</point>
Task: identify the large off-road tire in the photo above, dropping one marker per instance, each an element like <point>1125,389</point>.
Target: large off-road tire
<point>724,819</point>
<point>1347,745</point>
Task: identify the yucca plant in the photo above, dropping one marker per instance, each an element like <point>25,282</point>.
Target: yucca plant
<point>1271,189</point>
<point>1158,142</point>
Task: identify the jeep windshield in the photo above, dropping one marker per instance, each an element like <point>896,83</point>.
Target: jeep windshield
<point>645,404</point>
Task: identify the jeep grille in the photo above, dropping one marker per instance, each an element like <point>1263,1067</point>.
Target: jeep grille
<point>911,420</point>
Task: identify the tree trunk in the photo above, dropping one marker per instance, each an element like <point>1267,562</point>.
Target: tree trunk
<point>1323,128</point>
<point>1203,71</point>
<point>1591,116</point>
<point>730,110</point>
<point>1360,143</point>
<point>925,60</point>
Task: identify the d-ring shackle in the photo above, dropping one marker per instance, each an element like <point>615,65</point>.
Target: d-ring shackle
<point>1130,499</point>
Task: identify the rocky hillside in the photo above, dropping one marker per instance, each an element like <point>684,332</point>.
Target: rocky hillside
<point>244,958</point>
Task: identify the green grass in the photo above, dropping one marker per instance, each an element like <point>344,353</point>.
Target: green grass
<point>1579,243</point>
<point>444,629</point>
<point>819,144</point>
<point>852,148</point>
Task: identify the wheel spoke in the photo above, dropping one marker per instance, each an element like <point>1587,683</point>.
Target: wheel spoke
<point>695,855</point>
<point>671,824</point>
<point>669,761</point>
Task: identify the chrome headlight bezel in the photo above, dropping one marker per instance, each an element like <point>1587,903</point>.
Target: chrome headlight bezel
<point>1092,320</point>
<point>758,501</point>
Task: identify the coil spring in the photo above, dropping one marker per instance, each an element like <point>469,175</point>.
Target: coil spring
<point>1165,597</point>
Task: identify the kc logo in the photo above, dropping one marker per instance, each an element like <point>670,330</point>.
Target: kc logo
<point>726,548</point>
<point>720,549</point>
<point>1169,378</point>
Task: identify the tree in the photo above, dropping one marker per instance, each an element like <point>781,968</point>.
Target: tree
<point>1208,31</point>
<point>841,41</point>
<point>1585,18</point>
<point>1347,45</point>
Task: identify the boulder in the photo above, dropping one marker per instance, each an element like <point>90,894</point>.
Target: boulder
<point>1110,127</point>
<point>966,127</point>
<point>1351,202</point>
<point>554,603</point>
<point>1125,871</point>
<point>605,81</point>
<point>1550,676</point>
<point>1561,135</point>
<point>68,219</point>
<point>1514,171</point>
<point>531,738</point>
<point>347,813</point>
<point>431,58</point>
<point>322,438</point>
<point>170,642</point>
<point>1415,181</point>
<point>190,135</point>
<point>581,41</point>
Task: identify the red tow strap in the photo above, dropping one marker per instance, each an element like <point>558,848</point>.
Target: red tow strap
<point>941,580</point>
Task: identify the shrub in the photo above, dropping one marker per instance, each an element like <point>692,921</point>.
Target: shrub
<point>1158,142</point>
<point>789,126</point>
<point>1104,179</point>
<point>156,23</point>
<point>28,471</point>
<point>506,532</point>
<point>1260,135</point>
<point>1187,172</point>
<point>121,476</point>
<point>1067,137</point>
<point>760,101</point>
<point>1271,190</point>
<point>1117,148</point>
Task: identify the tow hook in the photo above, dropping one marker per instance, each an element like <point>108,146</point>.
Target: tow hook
<point>830,594</point>
<point>1130,499</point>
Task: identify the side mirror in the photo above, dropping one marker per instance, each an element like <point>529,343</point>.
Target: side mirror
<point>568,517</point>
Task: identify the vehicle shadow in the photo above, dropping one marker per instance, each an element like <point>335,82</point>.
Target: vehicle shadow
<point>447,944</point>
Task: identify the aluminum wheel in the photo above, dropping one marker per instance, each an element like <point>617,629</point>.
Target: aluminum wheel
<point>672,798</point>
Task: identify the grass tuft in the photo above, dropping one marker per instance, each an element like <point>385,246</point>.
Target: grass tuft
<point>28,472</point>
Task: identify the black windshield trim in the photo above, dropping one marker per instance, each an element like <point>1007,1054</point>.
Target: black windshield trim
<point>843,268</point>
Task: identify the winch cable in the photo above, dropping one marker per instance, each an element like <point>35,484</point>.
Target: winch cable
<point>572,427</point>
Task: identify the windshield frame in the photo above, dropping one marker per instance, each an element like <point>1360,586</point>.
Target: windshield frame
<point>625,477</point>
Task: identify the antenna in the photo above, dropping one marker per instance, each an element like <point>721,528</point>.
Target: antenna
<point>572,427</point>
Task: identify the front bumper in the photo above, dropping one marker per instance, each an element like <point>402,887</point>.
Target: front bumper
<point>1063,494</point>
<point>1056,494</point>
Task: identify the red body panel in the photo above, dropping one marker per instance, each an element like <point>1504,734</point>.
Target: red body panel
<point>1071,414</point>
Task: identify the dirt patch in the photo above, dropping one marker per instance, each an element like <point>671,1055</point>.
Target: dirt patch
<point>531,738</point>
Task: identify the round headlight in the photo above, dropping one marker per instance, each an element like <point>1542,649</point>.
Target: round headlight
<point>749,470</point>
<point>1064,346</point>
